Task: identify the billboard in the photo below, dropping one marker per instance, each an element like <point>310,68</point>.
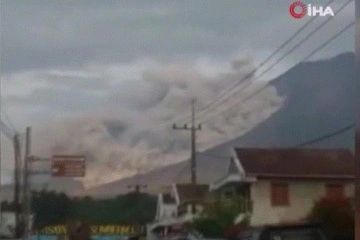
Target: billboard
<point>96,230</point>
<point>68,166</point>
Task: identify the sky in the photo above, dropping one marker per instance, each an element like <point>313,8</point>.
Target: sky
<point>109,78</point>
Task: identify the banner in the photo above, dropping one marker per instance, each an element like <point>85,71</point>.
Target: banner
<point>124,230</point>
<point>99,237</point>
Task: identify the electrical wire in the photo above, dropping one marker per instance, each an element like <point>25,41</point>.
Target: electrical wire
<point>272,82</point>
<point>207,109</point>
<point>251,74</point>
<point>8,132</point>
<point>327,136</point>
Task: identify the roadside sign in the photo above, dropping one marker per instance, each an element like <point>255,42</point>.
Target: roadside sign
<point>68,166</point>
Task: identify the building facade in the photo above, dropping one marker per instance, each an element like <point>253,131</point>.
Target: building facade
<point>282,185</point>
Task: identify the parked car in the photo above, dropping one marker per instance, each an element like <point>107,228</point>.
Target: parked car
<point>285,232</point>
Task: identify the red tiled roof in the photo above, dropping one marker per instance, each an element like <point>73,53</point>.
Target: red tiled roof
<point>317,163</point>
<point>189,192</point>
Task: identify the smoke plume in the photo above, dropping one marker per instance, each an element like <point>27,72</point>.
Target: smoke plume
<point>129,127</point>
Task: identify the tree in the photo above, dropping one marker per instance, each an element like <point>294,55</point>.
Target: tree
<point>132,208</point>
<point>50,208</point>
<point>337,217</point>
<point>218,215</point>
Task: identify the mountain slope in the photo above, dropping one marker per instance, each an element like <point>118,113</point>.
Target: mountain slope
<point>319,97</point>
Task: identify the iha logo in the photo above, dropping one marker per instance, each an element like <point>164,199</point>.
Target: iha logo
<point>298,10</point>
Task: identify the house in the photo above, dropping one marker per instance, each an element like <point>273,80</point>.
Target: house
<point>281,185</point>
<point>181,205</point>
<point>166,207</point>
<point>183,202</point>
<point>190,200</point>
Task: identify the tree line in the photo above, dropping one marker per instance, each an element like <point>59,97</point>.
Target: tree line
<point>52,208</point>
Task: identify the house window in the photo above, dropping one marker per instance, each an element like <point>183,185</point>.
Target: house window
<point>334,191</point>
<point>279,194</point>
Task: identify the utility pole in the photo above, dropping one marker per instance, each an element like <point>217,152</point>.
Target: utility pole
<point>0,181</point>
<point>193,130</point>
<point>137,187</point>
<point>17,178</point>
<point>357,180</point>
<point>0,184</point>
<point>26,185</point>
<point>357,126</point>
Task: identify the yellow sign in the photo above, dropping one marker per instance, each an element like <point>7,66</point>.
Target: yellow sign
<point>97,230</point>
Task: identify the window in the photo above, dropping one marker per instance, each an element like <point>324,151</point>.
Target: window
<point>334,191</point>
<point>279,194</point>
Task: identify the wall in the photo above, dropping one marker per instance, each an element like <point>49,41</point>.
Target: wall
<point>168,211</point>
<point>301,195</point>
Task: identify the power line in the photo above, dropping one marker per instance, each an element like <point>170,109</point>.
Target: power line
<point>294,35</point>
<point>208,108</point>
<point>304,59</point>
<point>326,136</point>
<point>249,75</point>
<point>8,132</point>
<point>7,119</point>
<point>5,115</point>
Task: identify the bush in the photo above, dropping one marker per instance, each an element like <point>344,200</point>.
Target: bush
<point>217,218</point>
<point>337,217</point>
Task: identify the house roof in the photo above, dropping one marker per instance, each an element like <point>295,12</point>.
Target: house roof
<point>168,199</point>
<point>317,163</point>
<point>190,192</point>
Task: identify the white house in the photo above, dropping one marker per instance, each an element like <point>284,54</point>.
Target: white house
<point>182,204</point>
<point>281,185</point>
<point>166,207</point>
<point>190,200</point>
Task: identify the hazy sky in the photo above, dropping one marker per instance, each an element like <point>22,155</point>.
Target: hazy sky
<point>130,65</point>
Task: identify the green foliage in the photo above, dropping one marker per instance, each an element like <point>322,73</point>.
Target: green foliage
<point>54,208</point>
<point>214,227</point>
<point>216,206</point>
<point>218,215</point>
<point>50,208</point>
<point>126,209</point>
<point>337,216</point>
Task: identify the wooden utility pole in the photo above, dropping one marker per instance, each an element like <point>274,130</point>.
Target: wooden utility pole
<point>0,182</point>
<point>26,185</point>
<point>17,179</point>
<point>193,130</point>
<point>357,124</point>
<point>357,181</point>
<point>138,186</point>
